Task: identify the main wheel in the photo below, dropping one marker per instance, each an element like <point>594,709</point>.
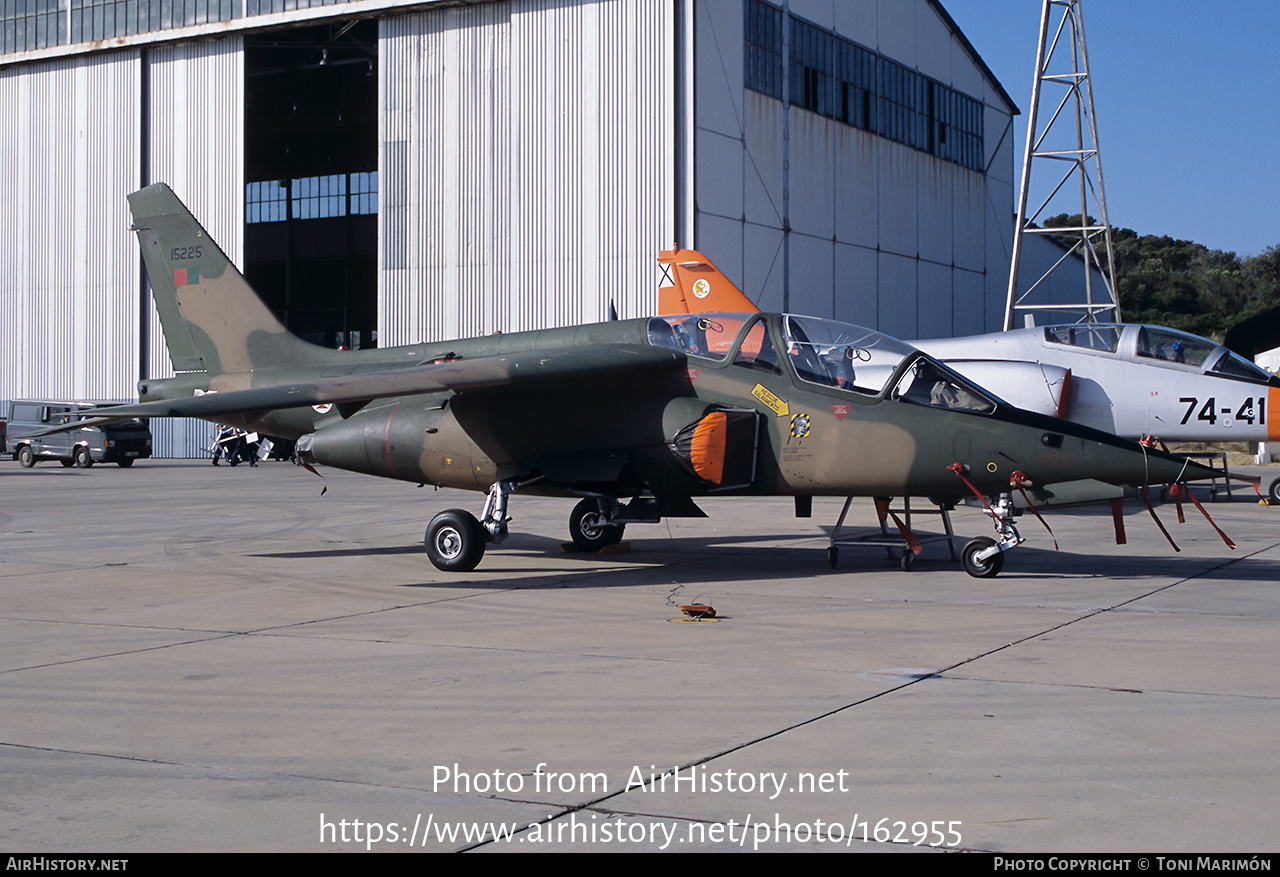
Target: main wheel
<point>455,541</point>
<point>82,457</point>
<point>26,456</point>
<point>981,569</point>
<point>591,529</point>
<point>1274,491</point>
<point>67,464</point>
<point>125,463</point>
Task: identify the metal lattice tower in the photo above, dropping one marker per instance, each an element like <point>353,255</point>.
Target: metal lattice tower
<point>1082,158</point>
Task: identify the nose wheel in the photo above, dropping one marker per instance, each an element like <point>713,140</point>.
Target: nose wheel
<point>982,558</point>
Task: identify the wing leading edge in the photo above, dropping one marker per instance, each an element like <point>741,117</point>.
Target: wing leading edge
<point>461,375</point>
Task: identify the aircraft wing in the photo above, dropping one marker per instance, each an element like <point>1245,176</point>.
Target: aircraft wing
<point>459,375</point>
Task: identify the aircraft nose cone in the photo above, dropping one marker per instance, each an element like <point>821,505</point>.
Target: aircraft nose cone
<point>1063,451</point>
<point>1133,464</point>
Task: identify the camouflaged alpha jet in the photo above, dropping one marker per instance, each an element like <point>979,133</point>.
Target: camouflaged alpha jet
<point>636,418</point>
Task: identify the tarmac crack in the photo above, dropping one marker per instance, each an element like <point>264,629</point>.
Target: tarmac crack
<point>118,654</point>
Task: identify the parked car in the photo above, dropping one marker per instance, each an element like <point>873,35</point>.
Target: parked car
<point>119,443</point>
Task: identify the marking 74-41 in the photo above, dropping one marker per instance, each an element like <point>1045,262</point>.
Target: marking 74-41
<point>1248,411</point>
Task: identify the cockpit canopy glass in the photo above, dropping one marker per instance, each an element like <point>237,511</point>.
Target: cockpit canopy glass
<point>841,354</point>
<point>709,336</point>
<point>1233,366</point>
<point>1094,336</point>
<point>1157,342</point>
<point>925,383</point>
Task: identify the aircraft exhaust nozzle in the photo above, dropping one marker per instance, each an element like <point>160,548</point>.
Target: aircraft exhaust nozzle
<point>303,449</point>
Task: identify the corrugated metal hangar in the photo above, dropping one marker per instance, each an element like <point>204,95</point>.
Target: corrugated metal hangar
<point>388,172</point>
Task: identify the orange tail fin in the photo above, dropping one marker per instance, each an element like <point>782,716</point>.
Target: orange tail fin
<point>699,287</point>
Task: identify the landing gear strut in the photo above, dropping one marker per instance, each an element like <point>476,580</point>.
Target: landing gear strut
<point>983,557</point>
<point>455,540</point>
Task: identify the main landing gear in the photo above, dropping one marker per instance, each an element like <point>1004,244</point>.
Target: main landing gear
<point>455,540</point>
<point>591,524</point>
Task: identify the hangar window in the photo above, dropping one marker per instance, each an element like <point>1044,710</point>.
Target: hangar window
<point>763,48</point>
<point>320,197</point>
<point>31,24</point>
<point>855,85</point>
<point>902,104</point>
<point>267,201</point>
<point>955,126</point>
<point>812,51</point>
<point>839,79</point>
<point>364,194</point>
<point>312,197</point>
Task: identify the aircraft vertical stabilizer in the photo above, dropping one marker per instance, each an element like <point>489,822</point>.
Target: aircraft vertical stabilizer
<point>698,286</point>
<point>213,320</point>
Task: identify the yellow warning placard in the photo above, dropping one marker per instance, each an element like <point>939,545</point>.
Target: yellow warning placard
<point>776,405</point>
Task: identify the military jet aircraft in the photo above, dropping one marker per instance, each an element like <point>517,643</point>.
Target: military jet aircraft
<point>1125,378</point>
<point>636,418</point>
<point>1135,380</point>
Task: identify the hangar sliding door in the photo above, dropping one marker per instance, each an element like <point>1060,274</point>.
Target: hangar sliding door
<point>526,167</point>
<point>195,124</point>
<point>68,268</point>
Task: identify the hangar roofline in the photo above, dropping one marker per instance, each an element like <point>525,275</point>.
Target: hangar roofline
<point>973,54</point>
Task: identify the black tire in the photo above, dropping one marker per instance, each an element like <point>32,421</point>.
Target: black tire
<point>981,570</point>
<point>908,559</point>
<point>67,464</point>
<point>124,464</point>
<point>82,457</point>
<point>25,456</point>
<point>455,541</point>
<point>590,529</point>
<point>833,555</point>
<point>1274,491</point>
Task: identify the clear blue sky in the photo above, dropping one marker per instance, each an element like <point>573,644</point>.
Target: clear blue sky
<point>1188,108</point>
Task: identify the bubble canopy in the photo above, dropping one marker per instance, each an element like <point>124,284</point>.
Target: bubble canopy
<point>829,353</point>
